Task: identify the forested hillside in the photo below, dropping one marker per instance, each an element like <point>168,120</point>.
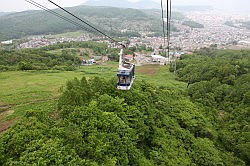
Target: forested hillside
<point>220,82</point>
<point>95,124</point>
<point>109,19</point>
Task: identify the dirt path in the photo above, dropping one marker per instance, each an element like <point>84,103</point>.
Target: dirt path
<point>5,111</point>
<point>148,69</point>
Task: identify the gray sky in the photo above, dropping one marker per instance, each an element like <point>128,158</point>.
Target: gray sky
<point>242,6</point>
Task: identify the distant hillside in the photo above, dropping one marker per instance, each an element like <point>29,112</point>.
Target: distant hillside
<point>238,24</point>
<point>109,19</point>
<point>192,8</point>
<point>145,4</point>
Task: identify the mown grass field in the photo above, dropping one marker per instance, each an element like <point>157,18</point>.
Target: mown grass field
<point>24,90</point>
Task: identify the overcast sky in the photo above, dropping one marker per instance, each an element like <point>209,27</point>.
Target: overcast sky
<point>225,5</point>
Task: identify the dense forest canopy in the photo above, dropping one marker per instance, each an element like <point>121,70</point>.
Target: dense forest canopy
<point>95,124</point>
<point>219,80</point>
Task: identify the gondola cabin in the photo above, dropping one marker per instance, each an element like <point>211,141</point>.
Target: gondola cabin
<point>125,73</point>
<point>126,76</point>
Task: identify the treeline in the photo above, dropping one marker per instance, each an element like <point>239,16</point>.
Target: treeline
<point>28,59</point>
<point>66,56</point>
<point>219,81</point>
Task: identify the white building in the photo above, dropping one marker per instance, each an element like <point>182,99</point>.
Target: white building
<point>244,42</point>
<point>158,58</point>
<point>7,42</point>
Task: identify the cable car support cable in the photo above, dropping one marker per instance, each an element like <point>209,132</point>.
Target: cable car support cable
<point>85,23</point>
<point>169,11</point>
<point>163,24</point>
<point>58,15</point>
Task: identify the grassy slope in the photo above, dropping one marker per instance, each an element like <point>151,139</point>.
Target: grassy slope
<point>161,76</point>
<point>35,89</point>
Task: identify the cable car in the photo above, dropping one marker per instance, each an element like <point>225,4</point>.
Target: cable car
<point>125,73</point>
<point>126,70</point>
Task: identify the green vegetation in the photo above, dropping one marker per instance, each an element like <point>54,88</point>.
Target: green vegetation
<point>109,19</point>
<point>64,56</point>
<point>219,81</point>
<point>193,24</point>
<point>20,89</point>
<point>96,124</point>
<point>158,122</point>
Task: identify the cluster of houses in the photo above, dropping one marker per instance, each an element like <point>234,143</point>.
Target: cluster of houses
<point>138,58</point>
<point>163,60</point>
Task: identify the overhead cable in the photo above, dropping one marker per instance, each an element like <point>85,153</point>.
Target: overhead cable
<point>163,24</point>
<point>58,15</point>
<point>169,24</point>
<point>104,34</point>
